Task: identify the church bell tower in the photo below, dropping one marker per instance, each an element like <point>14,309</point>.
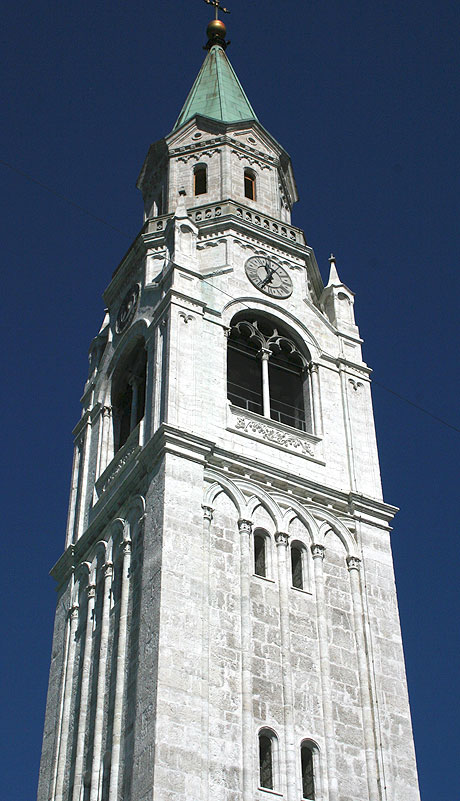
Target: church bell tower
<point>227,625</point>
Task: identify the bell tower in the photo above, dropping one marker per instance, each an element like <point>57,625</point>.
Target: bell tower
<point>227,624</point>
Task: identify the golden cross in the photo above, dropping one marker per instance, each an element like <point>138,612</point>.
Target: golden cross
<point>217,6</point>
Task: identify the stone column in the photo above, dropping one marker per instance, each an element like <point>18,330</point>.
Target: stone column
<point>207,521</point>
<point>265,355</point>
<point>83,479</point>
<point>328,717</point>
<point>120,678</point>
<point>316,400</point>
<point>149,414</point>
<point>68,687</point>
<point>348,430</point>
<point>73,494</point>
<point>84,694</point>
<point>101,682</point>
<point>282,541</point>
<point>134,383</point>
<point>245,529</point>
<point>105,442</point>
<point>354,564</point>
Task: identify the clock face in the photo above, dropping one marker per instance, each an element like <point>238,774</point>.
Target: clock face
<point>127,309</point>
<point>269,277</point>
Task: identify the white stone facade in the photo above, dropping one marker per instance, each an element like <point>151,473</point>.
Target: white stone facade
<point>170,655</point>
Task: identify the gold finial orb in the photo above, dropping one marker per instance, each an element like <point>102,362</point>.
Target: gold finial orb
<point>216,28</point>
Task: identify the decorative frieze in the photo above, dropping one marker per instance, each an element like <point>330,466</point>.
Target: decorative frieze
<point>274,435</point>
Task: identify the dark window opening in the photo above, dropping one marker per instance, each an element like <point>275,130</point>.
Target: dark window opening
<point>287,403</point>
<point>200,181</point>
<point>249,185</point>
<point>243,374</point>
<point>296,567</point>
<point>260,561</point>
<point>265,762</point>
<point>286,394</point>
<point>308,781</point>
<point>128,394</point>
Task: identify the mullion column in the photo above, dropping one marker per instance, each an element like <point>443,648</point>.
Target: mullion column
<point>207,521</point>
<point>84,694</point>
<point>120,677</point>
<point>101,682</point>
<point>245,529</point>
<point>68,688</point>
<point>325,672</point>
<point>282,541</point>
<point>264,354</point>
<point>354,564</point>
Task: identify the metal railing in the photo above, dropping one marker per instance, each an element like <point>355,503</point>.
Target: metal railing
<point>250,400</point>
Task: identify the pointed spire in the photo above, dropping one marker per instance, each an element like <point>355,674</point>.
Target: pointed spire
<point>217,92</point>
<point>333,274</point>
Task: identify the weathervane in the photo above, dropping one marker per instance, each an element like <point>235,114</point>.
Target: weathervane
<point>217,6</point>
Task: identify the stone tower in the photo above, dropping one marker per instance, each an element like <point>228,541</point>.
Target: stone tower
<point>227,625</point>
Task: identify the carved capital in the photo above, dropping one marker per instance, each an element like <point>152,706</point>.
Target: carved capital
<point>317,551</point>
<point>91,590</point>
<point>353,562</point>
<point>73,612</point>
<point>126,547</point>
<point>281,538</point>
<point>313,367</point>
<point>106,411</point>
<point>264,354</point>
<point>207,512</point>
<point>108,570</point>
<point>244,526</point>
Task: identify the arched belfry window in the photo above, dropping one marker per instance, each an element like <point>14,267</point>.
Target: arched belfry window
<point>262,553</point>
<point>250,184</point>
<point>309,760</point>
<point>128,393</point>
<point>200,180</point>
<point>268,760</point>
<point>267,371</point>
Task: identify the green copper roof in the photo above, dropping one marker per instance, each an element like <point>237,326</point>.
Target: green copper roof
<point>217,92</point>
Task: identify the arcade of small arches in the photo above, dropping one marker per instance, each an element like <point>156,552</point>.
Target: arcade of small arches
<point>98,624</point>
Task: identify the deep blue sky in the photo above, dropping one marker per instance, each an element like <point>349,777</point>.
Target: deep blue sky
<point>365,98</point>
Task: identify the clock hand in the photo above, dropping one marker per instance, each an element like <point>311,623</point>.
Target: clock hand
<point>269,277</point>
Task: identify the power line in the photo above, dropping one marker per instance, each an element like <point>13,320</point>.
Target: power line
<point>62,197</point>
<point>416,406</point>
<point>119,231</point>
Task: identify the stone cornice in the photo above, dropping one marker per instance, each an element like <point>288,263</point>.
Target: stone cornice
<point>345,503</point>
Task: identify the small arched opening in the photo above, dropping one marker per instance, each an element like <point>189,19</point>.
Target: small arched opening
<point>250,184</point>
<point>200,179</point>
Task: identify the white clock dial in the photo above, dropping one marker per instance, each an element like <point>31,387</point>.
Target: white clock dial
<point>269,277</point>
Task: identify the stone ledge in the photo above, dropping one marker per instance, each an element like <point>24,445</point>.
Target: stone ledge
<point>262,429</point>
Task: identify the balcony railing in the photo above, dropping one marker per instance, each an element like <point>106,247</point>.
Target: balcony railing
<point>252,401</point>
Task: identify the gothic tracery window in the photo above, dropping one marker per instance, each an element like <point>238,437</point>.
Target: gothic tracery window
<point>267,372</point>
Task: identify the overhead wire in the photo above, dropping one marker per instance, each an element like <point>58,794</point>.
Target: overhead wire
<point>205,281</point>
